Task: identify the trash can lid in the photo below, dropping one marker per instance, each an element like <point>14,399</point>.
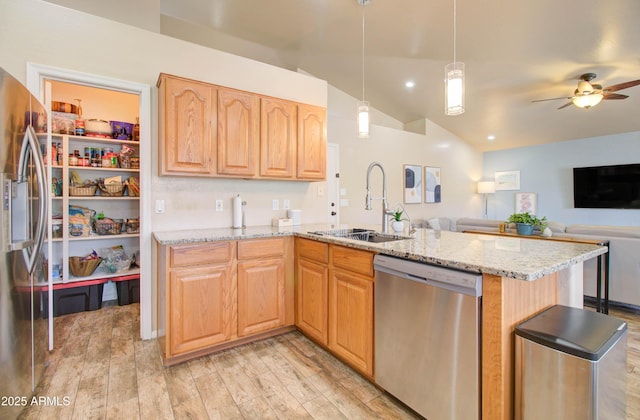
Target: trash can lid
<point>578,332</point>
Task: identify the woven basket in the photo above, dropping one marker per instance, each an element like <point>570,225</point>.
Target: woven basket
<point>81,268</point>
<point>82,191</point>
<point>112,190</point>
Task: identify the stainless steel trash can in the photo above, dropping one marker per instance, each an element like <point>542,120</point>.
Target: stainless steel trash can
<point>571,364</point>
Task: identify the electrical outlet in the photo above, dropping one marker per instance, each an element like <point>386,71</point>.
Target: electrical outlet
<point>286,204</point>
<point>159,206</point>
<point>320,190</point>
<point>275,204</point>
<point>218,205</point>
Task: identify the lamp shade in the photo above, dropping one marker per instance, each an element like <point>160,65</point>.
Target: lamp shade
<point>454,88</point>
<point>363,119</point>
<point>486,187</point>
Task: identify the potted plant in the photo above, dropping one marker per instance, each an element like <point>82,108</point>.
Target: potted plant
<point>397,223</point>
<point>525,222</point>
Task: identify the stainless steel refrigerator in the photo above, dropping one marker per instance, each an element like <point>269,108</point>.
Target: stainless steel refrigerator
<point>23,215</point>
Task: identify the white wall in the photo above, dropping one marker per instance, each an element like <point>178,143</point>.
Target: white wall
<point>94,45</point>
<point>461,165</point>
<point>547,171</point>
<point>40,32</point>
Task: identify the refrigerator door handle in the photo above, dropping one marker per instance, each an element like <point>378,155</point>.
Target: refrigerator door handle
<point>31,249</point>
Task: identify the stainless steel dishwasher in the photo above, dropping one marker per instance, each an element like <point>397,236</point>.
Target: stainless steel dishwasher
<point>427,337</point>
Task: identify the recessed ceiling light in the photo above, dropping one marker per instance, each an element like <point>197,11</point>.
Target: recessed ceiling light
<point>491,137</point>
<point>410,84</point>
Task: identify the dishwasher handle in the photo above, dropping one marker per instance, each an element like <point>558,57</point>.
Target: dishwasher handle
<point>449,279</point>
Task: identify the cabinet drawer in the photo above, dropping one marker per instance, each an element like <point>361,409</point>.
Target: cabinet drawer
<point>313,250</point>
<point>257,248</point>
<point>353,260</point>
<point>201,254</point>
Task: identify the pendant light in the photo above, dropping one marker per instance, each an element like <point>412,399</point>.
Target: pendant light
<point>363,106</point>
<point>454,79</point>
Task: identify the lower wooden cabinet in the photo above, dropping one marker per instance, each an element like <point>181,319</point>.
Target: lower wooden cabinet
<point>197,294</point>
<point>335,287</point>
<point>262,286</point>
<point>351,318</point>
<point>214,294</point>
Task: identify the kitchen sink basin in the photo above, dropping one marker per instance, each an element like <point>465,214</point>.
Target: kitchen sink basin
<point>365,235</point>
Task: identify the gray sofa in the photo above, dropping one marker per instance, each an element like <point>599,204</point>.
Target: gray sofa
<point>624,254</point>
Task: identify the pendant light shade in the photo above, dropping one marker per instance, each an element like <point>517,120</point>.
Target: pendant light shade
<point>454,88</point>
<point>363,106</point>
<point>363,119</point>
<point>454,78</point>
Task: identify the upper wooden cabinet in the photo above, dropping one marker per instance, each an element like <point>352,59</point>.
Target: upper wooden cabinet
<point>214,131</point>
<point>238,133</point>
<point>312,142</point>
<point>278,136</point>
<point>187,120</point>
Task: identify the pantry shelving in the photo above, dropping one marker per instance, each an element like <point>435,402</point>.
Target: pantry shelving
<point>115,207</point>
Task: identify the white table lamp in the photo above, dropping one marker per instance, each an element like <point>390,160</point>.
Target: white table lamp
<point>484,188</point>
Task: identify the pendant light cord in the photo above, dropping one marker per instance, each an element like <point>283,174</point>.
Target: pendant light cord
<point>362,52</point>
<point>454,30</point>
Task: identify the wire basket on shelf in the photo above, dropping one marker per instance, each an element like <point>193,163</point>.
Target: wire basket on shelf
<point>132,226</point>
<point>108,226</point>
<point>80,268</point>
<point>82,191</point>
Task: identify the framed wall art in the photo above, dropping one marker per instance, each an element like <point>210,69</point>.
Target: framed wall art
<point>412,184</point>
<point>526,203</point>
<point>432,185</point>
<point>507,180</point>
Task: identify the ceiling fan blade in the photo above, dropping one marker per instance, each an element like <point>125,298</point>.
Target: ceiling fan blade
<point>552,99</point>
<point>621,86</point>
<point>607,95</point>
<point>566,105</point>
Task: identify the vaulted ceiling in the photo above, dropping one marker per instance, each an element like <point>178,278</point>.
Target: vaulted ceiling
<point>514,52</point>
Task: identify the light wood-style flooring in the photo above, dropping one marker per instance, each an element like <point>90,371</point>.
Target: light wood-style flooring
<point>105,370</point>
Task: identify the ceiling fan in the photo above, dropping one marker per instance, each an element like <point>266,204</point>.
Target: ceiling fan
<point>590,94</point>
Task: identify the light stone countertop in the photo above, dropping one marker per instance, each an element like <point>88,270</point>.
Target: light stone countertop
<point>519,258</point>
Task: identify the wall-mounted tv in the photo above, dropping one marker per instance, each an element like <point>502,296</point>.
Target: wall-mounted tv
<point>607,187</point>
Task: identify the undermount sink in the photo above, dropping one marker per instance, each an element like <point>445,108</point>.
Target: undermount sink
<point>365,235</point>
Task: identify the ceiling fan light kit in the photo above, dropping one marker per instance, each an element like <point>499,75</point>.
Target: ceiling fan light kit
<point>587,100</point>
<point>588,95</point>
<point>363,106</point>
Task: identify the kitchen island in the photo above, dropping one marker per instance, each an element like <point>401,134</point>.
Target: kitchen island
<point>521,277</point>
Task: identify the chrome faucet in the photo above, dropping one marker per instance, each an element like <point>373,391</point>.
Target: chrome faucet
<point>385,205</point>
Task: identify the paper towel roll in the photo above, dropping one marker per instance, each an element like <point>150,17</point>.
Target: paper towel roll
<point>296,216</point>
<point>237,211</point>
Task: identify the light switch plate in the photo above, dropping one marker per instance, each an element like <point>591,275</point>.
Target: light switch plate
<point>219,205</point>
<point>159,206</point>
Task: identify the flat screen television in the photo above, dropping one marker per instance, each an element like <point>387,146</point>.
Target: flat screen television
<point>607,187</point>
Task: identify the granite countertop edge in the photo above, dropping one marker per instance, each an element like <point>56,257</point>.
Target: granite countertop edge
<point>402,248</point>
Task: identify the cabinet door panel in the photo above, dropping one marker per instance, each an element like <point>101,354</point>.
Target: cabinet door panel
<point>238,133</point>
<point>277,138</point>
<point>312,299</point>
<point>261,295</point>
<point>188,115</point>
<point>351,318</point>
<point>201,305</point>
<point>312,142</point>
